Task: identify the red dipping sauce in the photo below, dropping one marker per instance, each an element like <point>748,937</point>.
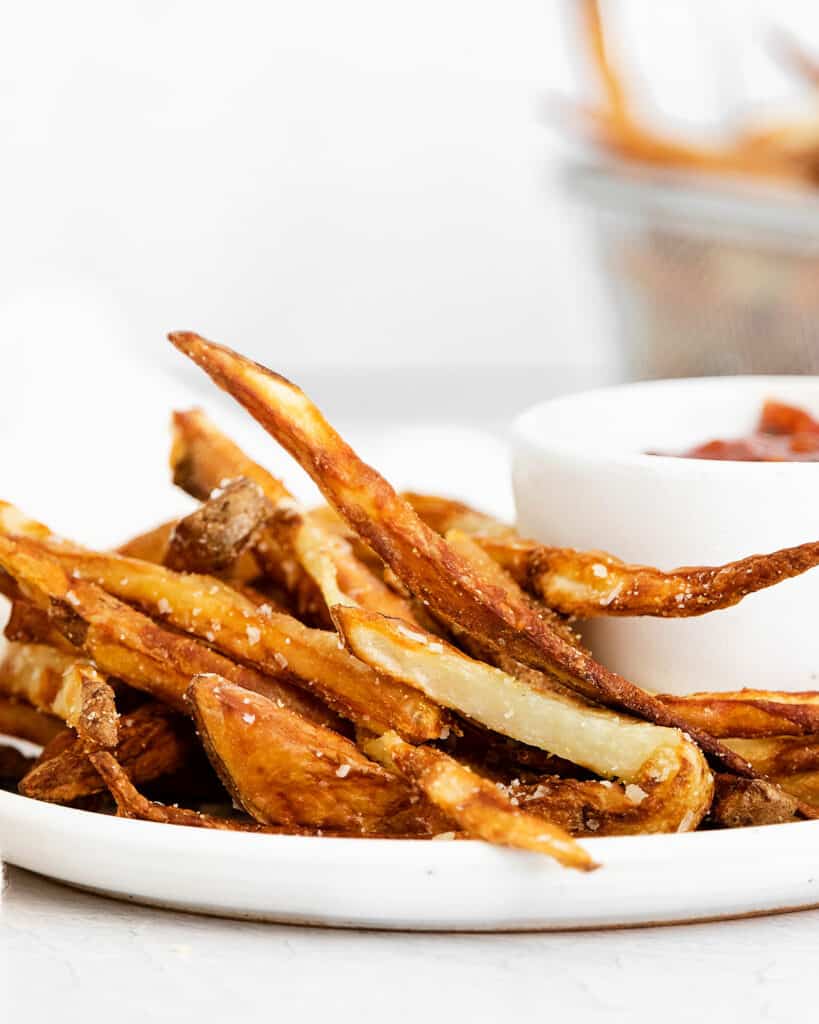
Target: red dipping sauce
<point>784,434</point>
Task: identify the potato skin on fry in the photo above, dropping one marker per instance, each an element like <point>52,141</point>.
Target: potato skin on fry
<point>284,770</point>
<point>749,713</point>
<point>742,803</point>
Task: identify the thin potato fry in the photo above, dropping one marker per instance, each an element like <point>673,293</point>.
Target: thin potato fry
<point>476,804</point>
<point>455,591</point>
<point>669,787</point>
<point>749,713</point>
<point>590,583</point>
<point>284,770</point>
<point>445,514</point>
<point>150,546</point>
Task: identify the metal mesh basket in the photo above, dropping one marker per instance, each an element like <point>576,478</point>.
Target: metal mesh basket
<point>707,280</point>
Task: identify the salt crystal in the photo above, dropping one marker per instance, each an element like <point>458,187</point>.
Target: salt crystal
<point>599,570</point>
<point>280,660</point>
<point>72,598</point>
<point>343,771</point>
<point>163,606</point>
<point>247,717</point>
<point>266,610</point>
<point>635,794</point>
<point>253,634</point>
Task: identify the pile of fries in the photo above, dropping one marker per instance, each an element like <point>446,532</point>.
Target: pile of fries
<point>786,152</point>
<point>382,666</point>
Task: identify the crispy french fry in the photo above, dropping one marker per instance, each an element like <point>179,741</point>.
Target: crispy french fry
<point>792,762</point>
<point>749,713</point>
<point>445,514</point>
<point>476,804</point>
<point>153,742</point>
<point>208,608</point>
<point>213,538</point>
<point>668,785</point>
<point>21,720</point>
<point>456,592</point>
<point>285,770</point>
<point>69,688</point>
<point>590,583</point>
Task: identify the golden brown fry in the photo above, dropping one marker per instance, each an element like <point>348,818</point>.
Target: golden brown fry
<point>471,551</point>
<point>790,761</point>
<point>739,803</point>
<point>150,546</point>
<point>69,688</point>
<point>126,644</point>
<point>212,539</point>
<point>208,608</point>
<point>476,804</point>
<point>29,624</point>
<point>153,742</point>
<point>590,583</point>
<point>21,720</point>
<point>668,785</point>
<point>445,514</point>
<point>749,713</point>
<point>285,770</point>
<point>436,574</point>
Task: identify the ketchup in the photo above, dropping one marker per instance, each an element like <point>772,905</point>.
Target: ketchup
<point>784,434</point>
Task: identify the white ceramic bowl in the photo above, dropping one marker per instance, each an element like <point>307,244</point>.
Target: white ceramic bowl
<point>582,479</point>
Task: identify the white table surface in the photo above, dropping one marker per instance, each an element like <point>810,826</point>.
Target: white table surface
<point>67,955</point>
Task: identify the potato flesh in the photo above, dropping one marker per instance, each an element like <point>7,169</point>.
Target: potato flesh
<point>605,743</point>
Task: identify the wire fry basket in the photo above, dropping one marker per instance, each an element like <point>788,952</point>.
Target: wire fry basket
<point>706,278</point>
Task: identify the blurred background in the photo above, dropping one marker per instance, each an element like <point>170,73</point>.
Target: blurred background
<point>384,202</point>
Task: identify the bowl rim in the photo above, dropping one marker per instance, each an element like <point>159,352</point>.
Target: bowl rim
<point>525,433</point>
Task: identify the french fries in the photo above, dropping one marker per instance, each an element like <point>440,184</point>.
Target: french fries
<point>422,560</point>
<point>445,693</point>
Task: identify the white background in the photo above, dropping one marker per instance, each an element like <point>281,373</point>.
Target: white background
<point>329,184</point>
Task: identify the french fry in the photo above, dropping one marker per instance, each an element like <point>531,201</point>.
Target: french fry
<point>591,583</point>
<point>210,609</point>
<point>284,770</point>
<point>790,761</point>
<point>476,804</point>
<point>20,720</point>
<point>213,538</point>
<point>432,571</point>
<point>153,742</point>
<point>445,514</point>
<point>668,785</point>
<point>150,546</point>
<point>747,714</point>
<point>69,688</point>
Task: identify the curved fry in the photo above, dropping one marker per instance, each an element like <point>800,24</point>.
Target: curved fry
<point>749,713</point>
<point>668,784</point>
<point>422,560</point>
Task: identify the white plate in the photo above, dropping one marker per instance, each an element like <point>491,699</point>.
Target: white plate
<point>412,884</point>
